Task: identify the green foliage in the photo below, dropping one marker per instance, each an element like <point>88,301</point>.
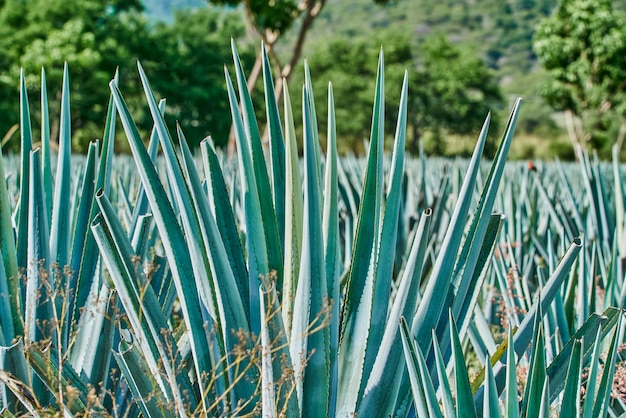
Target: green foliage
<point>451,90</point>
<point>95,38</point>
<point>583,48</point>
<point>189,72</point>
<point>200,306</point>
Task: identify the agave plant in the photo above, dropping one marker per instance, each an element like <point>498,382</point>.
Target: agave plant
<point>178,285</point>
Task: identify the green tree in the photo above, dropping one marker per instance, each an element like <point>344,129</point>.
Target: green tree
<point>583,48</point>
<point>184,61</point>
<point>450,90</point>
<point>192,76</point>
<point>454,91</point>
<point>92,36</point>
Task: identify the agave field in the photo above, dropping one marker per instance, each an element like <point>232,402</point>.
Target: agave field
<point>289,281</point>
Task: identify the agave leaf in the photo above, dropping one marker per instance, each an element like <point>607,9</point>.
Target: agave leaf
<point>332,250</point>
<point>45,145</point>
<point>22,392</point>
<point>172,238</point>
<point>268,214</point>
<point>146,393</point>
<point>26,147</point>
<point>228,298</point>
<point>184,201</point>
<point>96,365</point>
<point>592,377</point>
<point>602,396</point>
<point>423,396</point>
<point>531,404</point>
<point>144,313</point>
<point>276,145</point>
<point>473,247</point>
<point>389,234</point>
<point>524,331</point>
<point>436,292</point>
<point>39,287</point>
<point>442,376</point>
<point>361,280</point>
<point>13,361</point>
<point>11,301</point>
<point>570,405</point>
<point>293,214</point>
<point>544,409</point>
<point>84,262</point>
<point>310,336</point>
<point>60,233</point>
<point>276,358</point>
<point>309,85</point>
<point>464,399</point>
<point>75,398</point>
<point>268,393</point>
<point>220,204</point>
<point>512,402</point>
<point>142,206</point>
<point>587,333</point>
<point>427,384</point>
<point>383,385</point>
<point>491,406</point>
<point>479,260</point>
<point>81,229</point>
<point>256,245</point>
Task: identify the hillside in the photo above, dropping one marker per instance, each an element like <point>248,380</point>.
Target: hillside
<point>163,10</point>
<point>499,31</point>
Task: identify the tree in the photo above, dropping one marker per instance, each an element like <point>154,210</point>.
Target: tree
<point>454,91</point>
<point>184,61</point>
<point>270,19</point>
<point>92,36</point>
<point>192,76</point>
<point>583,48</point>
<point>450,89</point>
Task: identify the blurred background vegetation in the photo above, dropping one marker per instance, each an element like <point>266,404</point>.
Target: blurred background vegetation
<point>464,59</point>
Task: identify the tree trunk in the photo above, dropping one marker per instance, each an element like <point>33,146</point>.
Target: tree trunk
<point>311,9</point>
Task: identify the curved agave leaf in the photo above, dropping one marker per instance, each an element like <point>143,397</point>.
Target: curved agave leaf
<point>172,238</point>
<point>146,393</point>
<point>144,313</point>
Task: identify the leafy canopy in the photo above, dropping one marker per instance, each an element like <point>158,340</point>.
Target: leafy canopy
<point>583,48</point>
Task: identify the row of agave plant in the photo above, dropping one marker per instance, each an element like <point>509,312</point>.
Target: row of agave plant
<point>276,286</point>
